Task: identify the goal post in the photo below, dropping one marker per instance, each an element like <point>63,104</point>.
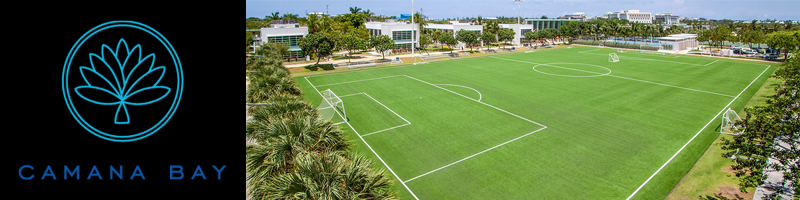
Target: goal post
<point>612,57</point>
<point>728,125</point>
<point>330,106</point>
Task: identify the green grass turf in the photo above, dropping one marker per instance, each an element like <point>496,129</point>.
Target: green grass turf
<point>604,135</point>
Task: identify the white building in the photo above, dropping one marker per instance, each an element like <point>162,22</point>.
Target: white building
<point>668,18</point>
<point>631,15</point>
<point>679,42</point>
<point>400,32</point>
<point>578,15</point>
<point>283,31</point>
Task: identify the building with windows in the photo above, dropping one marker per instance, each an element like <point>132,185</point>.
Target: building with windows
<point>631,15</point>
<point>679,42</point>
<point>578,15</point>
<point>540,24</point>
<point>400,32</point>
<point>286,31</point>
<point>668,18</point>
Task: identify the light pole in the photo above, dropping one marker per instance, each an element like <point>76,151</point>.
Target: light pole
<point>413,32</point>
<point>519,11</point>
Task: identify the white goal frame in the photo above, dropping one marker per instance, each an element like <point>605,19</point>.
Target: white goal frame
<point>528,50</point>
<point>331,102</point>
<point>612,57</point>
<point>601,45</point>
<point>728,125</point>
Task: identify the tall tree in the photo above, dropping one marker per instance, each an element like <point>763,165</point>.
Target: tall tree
<point>506,35</point>
<point>448,39</point>
<point>273,16</point>
<point>782,40</point>
<point>424,41</point>
<point>318,45</point>
<point>350,42</point>
<point>382,44</point>
<point>487,39</point>
<point>355,10</point>
<point>468,37</point>
<point>419,21</point>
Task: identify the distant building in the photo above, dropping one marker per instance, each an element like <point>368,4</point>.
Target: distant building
<point>286,31</point>
<point>631,15</point>
<point>400,32</point>
<point>668,18</point>
<point>578,15</point>
<point>540,24</point>
<point>679,42</point>
<point>404,16</point>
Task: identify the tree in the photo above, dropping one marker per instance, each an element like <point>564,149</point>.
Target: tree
<point>487,38</point>
<point>381,44</point>
<point>354,10</point>
<point>468,37</point>
<point>275,50</point>
<point>318,45</point>
<point>449,40</point>
<point>531,36</point>
<point>273,16</point>
<point>771,131</point>
<point>544,17</point>
<point>419,20</point>
<point>782,40</point>
<point>506,35</point>
<point>351,42</point>
<point>424,41</point>
<point>248,37</point>
<point>492,27</point>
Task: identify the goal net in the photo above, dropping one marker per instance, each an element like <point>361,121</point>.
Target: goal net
<point>729,120</point>
<point>612,57</point>
<point>528,50</point>
<point>601,45</point>
<point>330,106</point>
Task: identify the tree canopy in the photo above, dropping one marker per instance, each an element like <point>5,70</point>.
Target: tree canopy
<point>317,44</point>
<point>468,37</point>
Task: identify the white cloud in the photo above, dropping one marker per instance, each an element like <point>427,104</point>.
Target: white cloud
<point>678,2</point>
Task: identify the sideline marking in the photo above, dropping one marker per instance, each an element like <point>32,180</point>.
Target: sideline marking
<point>365,143</point>
<point>480,96</point>
<point>695,136</point>
<point>712,62</point>
<point>615,76</point>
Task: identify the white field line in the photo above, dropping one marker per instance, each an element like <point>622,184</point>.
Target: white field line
<point>491,106</point>
<point>695,136</point>
<point>351,95</point>
<point>712,62</point>
<point>479,153</point>
<point>637,58</point>
<point>365,143</point>
<point>480,96</point>
<point>358,81</point>
<point>589,50</point>
<point>661,84</point>
<point>368,134</point>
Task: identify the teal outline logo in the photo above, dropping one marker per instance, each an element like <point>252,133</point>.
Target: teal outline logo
<point>120,87</point>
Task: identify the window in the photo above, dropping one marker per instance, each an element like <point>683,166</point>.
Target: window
<point>291,40</point>
<point>403,46</point>
<point>525,31</point>
<point>401,35</point>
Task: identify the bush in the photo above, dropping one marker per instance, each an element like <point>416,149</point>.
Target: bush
<point>326,67</point>
<point>312,67</point>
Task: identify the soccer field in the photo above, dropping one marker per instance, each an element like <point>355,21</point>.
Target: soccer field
<point>553,124</point>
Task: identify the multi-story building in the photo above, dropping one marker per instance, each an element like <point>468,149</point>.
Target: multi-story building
<point>286,31</point>
<point>400,32</point>
<point>668,18</point>
<point>631,15</point>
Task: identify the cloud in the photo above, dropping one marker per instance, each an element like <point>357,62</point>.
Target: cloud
<point>678,2</point>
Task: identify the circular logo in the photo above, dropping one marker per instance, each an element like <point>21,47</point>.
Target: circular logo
<point>122,81</point>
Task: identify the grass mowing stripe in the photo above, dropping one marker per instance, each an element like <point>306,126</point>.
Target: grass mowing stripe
<point>359,81</point>
<point>695,136</point>
<point>617,77</point>
<point>365,143</point>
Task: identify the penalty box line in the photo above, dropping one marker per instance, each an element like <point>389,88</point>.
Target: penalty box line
<point>695,136</point>
<point>643,81</point>
<point>365,143</point>
<point>384,106</point>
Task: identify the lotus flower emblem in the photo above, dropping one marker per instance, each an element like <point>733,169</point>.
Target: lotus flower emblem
<point>122,77</point>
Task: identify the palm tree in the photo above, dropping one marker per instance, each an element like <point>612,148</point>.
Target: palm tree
<point>368,13</point>
<point>420,21</point>
<point>328,176</point>
<point>354,10</point>
<point>492,27</point>
<point>479,21</point>
<point>273,16</point>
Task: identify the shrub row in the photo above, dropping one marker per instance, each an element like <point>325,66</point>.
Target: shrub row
<point>618,45</point>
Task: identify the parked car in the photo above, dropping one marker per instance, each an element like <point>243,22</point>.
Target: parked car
<point>738,51</point>
<point>759,51</point>
<point>772,51</point>
<point>770,56</point>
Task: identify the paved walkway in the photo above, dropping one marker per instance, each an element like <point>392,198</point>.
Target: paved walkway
<point>774,178</point>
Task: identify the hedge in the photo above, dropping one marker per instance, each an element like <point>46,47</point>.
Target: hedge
<point>619,45</point>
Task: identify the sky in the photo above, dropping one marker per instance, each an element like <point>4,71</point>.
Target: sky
<point>440,9</point>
